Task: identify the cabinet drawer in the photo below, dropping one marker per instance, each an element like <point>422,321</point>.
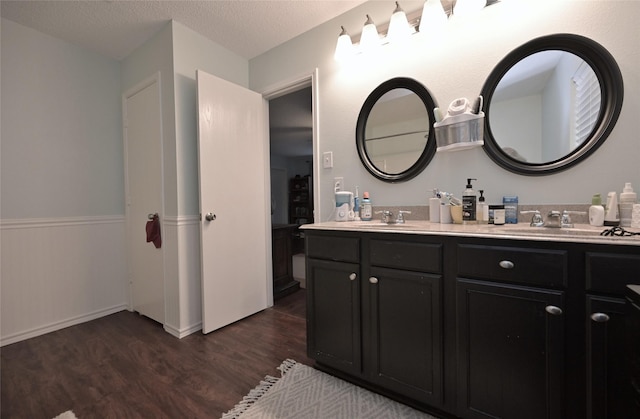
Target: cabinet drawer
<point>343,249</point>
<point>611,272</point>
<point>423,257</point>
<point>514,264</point>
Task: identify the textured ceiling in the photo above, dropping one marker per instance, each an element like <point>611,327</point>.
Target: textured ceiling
<point>116,28</point>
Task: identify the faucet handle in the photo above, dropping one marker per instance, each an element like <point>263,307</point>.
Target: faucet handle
<point>400,219</point>
<point>387,216</point>
<point>536,220</point>
<point>565,222</point>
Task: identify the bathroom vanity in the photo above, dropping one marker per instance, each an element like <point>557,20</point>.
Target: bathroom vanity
<point>475,321</point>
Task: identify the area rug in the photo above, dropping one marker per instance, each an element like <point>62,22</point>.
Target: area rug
<point>66,415</point>
<point>303,392</point>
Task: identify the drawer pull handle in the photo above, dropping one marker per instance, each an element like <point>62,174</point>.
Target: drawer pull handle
<point>506,264</point>
<point>373,280</point>
<point>553,310</point>
<point>353,276</point>
<point>600,317</point>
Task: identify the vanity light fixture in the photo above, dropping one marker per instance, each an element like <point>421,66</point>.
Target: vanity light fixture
<point>433,16</point>
<point>399,27</point>
<point>344,47</point>
<point>468,7</point>
<point>370,38</point>
<point>430,18</point>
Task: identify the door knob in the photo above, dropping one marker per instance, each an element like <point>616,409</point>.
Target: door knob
<point>210,216</point>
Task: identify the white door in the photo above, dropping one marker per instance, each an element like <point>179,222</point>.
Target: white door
<point>143,172</point>
<point>234,191</point>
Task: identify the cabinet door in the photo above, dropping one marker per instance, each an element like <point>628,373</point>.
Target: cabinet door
<point>608,388</point>
<point>511,351</point>
<point>403,349</point>
<point>333,314</point>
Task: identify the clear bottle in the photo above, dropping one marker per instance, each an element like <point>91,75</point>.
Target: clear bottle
<point>482,211</point>
<point>469,204</point>
<point>365,208</point>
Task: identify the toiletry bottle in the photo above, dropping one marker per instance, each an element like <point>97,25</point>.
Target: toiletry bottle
<point>356,206</point>
<point>510,209</point>
<point>469,204</point>
<point>611,213</point>
<point>365,208</point>
<point>596,211</point>
<point>627,198</point>
<point>482,213</point>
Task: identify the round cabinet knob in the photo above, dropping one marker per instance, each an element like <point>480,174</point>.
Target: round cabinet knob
<point>373,280</point>
<point>353,276</point>
<point>506,264</point>
<point>553,310</point>
<point>600,317</point>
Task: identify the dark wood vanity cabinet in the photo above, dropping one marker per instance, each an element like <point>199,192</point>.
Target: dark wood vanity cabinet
<point>611,392</point>
<point>510,327</point>
<point>379,320</point>
<point>476,327</point>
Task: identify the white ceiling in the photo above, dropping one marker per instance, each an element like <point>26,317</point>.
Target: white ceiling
<point>116,28</point>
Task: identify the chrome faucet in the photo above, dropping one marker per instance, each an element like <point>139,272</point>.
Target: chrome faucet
<point>387,216</point>
<point>555,219</point>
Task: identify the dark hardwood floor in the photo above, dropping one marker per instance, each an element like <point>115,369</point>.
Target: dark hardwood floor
<point>126,366</point>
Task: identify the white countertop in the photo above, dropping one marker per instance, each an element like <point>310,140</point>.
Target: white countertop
<point>581,233</point>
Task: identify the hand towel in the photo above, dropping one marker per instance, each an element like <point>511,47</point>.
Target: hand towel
<point>153,231</point>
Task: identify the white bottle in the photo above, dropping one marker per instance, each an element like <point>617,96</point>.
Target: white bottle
<point>627,198</point>
<point>365,208</point>
<point>482,210</point>
<point>611,213</point>
<point>596,211</point>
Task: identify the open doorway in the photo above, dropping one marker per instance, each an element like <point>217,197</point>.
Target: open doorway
<point>292,198</point>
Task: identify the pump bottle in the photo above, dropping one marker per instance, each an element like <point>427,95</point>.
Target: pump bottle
<point>482,213</point>
<point>469,204</point>
<point>627,198</point>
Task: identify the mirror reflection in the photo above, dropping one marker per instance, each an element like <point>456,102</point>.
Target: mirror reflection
<point>393,135</point>
<point>545,106</point>
<point>397,130</point>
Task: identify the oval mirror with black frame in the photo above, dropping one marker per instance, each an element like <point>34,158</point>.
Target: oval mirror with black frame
<point>551,103</point>
<point>394,137</point>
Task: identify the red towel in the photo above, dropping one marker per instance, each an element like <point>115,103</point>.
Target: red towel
<point>153,231</point>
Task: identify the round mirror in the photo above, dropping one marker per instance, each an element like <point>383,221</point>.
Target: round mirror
<point>551,103</point>
<point>394,138</point>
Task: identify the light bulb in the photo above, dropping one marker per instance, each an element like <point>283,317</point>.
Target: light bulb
<point>433,16</point>
<point>468,7</point>
<point>344,46</point>
<point>399,27</point>
<point>369,39</point>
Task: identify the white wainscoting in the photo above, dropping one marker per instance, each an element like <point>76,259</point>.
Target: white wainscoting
<point>60,272</point>
<point>183,295</point>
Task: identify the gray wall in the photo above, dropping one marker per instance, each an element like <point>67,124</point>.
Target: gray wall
<point>455,63</point>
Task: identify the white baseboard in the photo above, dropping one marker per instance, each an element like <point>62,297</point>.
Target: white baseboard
<point>183,332</point>
<point>52,327</point>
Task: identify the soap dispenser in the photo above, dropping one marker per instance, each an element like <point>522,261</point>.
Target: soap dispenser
<point>469,204</point>
<point>482,213</point>
<point>596,211</point>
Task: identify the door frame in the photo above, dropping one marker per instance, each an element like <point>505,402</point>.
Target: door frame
<point>147,82</point>
<point>288,86</point>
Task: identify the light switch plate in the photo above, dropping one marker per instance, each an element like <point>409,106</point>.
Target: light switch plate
<point>327,159</point>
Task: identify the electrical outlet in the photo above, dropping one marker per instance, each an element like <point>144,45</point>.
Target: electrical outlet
<point>327,159</point>
<point>338,183</point>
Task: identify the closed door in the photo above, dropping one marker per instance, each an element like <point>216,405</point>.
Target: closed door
<point>234,201</point>
<point>143,172</point>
